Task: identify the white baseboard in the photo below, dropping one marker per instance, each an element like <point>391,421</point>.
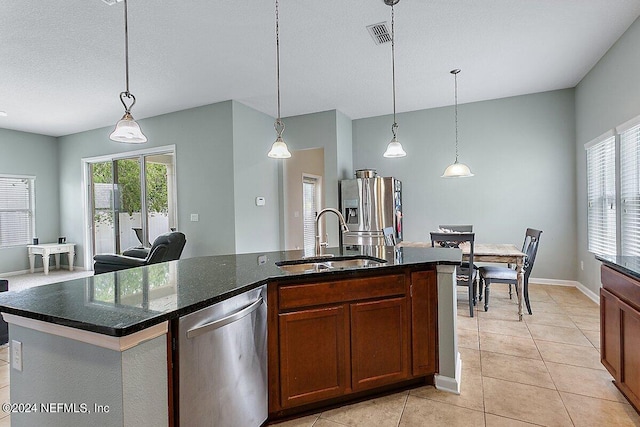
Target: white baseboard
<point>579,286</point>
<point>588,292</point>
<point>40,270</point>
<point>448,384</point>
<point>19,272</point>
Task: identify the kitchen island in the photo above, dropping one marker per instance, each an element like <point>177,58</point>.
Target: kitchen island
<point>620,323</point>
<point>101,350</point>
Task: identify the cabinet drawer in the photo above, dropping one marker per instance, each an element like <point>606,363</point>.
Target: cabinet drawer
<point>624,287</point>
<point>305,295</point>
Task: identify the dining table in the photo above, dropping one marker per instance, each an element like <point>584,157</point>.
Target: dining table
<point>504,253</point>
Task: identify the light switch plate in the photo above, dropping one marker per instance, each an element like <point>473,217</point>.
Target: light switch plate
<point>16,355</point>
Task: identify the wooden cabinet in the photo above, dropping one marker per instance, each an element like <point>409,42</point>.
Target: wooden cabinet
<point>620,331</point>
<point>424,322</point>
<point>610,332</point>
<point>335,338</point>
<point>380,342</point>
<point>313,355</point>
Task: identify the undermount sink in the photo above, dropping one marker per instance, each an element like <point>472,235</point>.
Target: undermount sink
<point>328,264</point>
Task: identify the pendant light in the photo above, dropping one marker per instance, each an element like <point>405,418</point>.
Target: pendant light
<point>279,148</point>
<point>127,130</point>
<point>394,149</point>
<point>456,170</point>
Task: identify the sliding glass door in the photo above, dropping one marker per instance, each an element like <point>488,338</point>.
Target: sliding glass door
<point>132,201</point>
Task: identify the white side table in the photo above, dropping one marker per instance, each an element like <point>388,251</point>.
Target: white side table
<point>47,249</point>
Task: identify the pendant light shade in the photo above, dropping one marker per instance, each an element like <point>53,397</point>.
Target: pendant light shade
<point>457,169</point>
<point>394,149</point>
<point>127,130</point>
<point>279,148</point>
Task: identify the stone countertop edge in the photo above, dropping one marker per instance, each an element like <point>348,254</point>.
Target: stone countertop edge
<point>198,283</point>
<point>629,265</point>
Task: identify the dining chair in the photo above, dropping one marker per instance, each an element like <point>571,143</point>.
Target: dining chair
<point>457,228</point>
<point>466,272</point>
<point>495,274</point>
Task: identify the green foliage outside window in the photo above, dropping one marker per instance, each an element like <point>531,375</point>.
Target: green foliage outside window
<point>129,185</point>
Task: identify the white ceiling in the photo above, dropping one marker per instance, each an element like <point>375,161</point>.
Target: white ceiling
<point>62,62</point>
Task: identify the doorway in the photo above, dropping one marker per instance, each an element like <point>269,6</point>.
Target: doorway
<point>302,173</point>
<point>131,200</point>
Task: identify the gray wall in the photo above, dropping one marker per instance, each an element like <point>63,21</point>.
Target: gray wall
<point>521,150</point>
<point>326,130</point>
<point>204,164</point>
<point>30,154</point>
<point>133,383</point>
<point>608,96</point>
<point>254,174</point>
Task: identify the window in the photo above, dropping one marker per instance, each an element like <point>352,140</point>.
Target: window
<point>309,212</point>
<point>613,191</point>
<point>601,196</point>
<point>630,191</point>
<point>17,201</point>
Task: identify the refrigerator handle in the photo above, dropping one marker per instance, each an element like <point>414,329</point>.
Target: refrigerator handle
<point>365,205</point>
<point>202,329</point>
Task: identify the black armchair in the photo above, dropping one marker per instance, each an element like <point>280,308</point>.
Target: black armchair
<point>166,247</point>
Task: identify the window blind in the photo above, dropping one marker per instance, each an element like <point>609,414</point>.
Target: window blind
<point>630,191</point>
<point>601,197</point>
<point>310,209</point>
<point>16,211</point>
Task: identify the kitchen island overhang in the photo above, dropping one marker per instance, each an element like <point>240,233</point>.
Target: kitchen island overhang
<point>130,302</point>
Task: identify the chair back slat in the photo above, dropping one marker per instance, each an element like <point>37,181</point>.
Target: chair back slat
<point>530,248</point>
<point>457,228</point>
<point>453,240</point>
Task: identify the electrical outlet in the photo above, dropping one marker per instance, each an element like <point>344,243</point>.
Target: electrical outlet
<point>195,217</point>
<point>16,355</point>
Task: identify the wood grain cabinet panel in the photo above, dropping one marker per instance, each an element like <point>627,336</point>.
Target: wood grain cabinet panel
<point>313,350</point>
<point>424,320</point>
<point>380,342</point>
<point>335,338</point>
<point>620,331</point>
<point>610,332</point>
<point>629,380</point>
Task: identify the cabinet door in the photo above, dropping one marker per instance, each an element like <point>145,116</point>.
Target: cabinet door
<point>379,342</point>
<point>313,349</point>
<point>629,380</point>
<point>424,319</point>
<point>610,332</point>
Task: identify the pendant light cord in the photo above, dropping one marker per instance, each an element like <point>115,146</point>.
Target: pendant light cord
<point>126,93</point>
<point>455,79</point>
<point>279,125</point>
<point>126,46</point>
<point>394,127</point>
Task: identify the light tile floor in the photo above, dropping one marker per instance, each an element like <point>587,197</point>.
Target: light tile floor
<point>543,371</point>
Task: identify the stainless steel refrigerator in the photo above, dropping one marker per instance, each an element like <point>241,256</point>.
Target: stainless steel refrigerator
<point>371,205</point>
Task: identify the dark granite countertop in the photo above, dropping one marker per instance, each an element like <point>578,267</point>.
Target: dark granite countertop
<point>127,301</point>
<point>629,265</point>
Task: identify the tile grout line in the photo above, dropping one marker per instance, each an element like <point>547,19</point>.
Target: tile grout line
<point>551,376</point>
<point>404,406</point>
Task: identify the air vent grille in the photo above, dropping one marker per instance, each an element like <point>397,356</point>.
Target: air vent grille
<point>379,33</point>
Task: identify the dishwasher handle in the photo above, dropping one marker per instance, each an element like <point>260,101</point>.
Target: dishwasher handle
<point>207,327</point>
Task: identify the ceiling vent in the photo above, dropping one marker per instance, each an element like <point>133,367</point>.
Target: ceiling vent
<point>379,33</point>
<point>111,2</point>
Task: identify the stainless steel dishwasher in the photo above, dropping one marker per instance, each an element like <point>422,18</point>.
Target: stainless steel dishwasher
<point>222,364</point>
